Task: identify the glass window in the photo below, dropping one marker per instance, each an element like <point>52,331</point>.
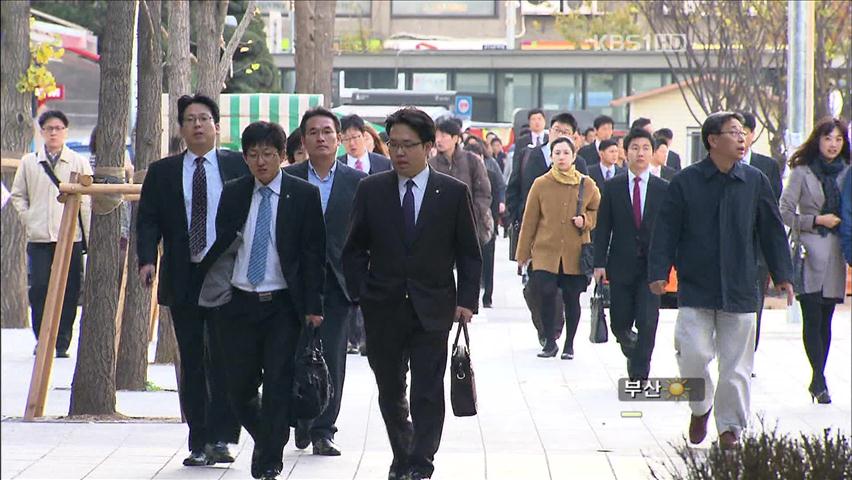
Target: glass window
<point>602,88</point>
<point>475,82</point>
<point>516,90</point>
<point>642,82</point>
<point>382,79</point>
<point>429,82</point>
<point>444,8</point>
<point>353,8</point>
<point>356,79</point>
<point>561,91</point>
<point>288,81</point>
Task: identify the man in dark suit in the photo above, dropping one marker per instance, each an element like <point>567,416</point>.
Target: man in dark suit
<point>180,197</point>
<point>409,229</point>
<point>607,167</point>
<point>629,206</point>
<point>603,132</point>
<point>337,183</point>
<point>535,137</point>
<point>769,167</point>
<point>353,135</point>
<point>672,159</point>
<point>658,165</point>
<point>264,278</point>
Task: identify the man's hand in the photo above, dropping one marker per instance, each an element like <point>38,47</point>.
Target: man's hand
<point>146,275</point>
<point>463,315</point>
<point>600,275</point>
<point>787,287</point>
<point>658,287</point>
<point>501,209</point>
<point>314,320</point>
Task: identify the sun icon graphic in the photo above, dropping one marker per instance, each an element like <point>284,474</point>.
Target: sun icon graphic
<point>676,389</point>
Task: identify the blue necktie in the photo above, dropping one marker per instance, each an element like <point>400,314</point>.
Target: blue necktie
<point>408,211</point>
<point>260,242</point>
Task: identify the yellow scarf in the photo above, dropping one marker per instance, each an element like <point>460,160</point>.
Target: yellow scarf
<point>571,177</point>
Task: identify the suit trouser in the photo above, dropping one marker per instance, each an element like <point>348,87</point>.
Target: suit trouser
<point>488,269</point>
<point>700,335</point>
<point>41,261</point>
<point>203,393</point>
<point>337,310</point>
<point>762,285</point>
<point>394,343</point>
<point>634,303</point>
<point>259,340</point>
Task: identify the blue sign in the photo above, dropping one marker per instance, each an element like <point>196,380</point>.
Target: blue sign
<point>464,106</point>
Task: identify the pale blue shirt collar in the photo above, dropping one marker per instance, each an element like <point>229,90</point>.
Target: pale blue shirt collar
<point>209,157</point>
<point>330,171</point>
<point>747,157</point>
<point>274,185</point>
<point>420,180</point>
<point>545,150</point>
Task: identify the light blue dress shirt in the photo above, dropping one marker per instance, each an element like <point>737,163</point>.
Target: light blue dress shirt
<point>214,192</point>
<point>324,184</point>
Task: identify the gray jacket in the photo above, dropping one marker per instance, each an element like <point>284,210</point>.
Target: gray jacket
<point>801,202</point>
<point>470,169</point>
<point>216,290</point>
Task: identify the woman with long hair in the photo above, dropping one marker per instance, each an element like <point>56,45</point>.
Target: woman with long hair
<point>374,142</point>
<point>552,236</point>
<point>810,205</point>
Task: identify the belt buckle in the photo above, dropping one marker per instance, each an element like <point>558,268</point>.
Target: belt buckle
<point>264,296</point>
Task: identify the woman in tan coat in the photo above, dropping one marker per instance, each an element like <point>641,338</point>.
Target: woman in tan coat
<point>552,235</point>
<point>810,204</point>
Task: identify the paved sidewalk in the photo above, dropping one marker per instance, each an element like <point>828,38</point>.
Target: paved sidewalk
<point>539,418</point>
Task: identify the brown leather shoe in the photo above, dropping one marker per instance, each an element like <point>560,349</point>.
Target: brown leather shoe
<point>698,427</point>
<point>729,441</point>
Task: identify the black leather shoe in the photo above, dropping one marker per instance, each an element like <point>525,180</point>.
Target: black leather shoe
<point>567,353</point>
<point>352,349</point>
<point>256,454</point>
<point>415,475</point>
<point>62,354</point>
<point>270,474</point>
<point>197,458</point>
<point>303,437</point>
<point>219,452</point>
<point>326,447</point>
<point>550,350</point>
<point>362,349</point>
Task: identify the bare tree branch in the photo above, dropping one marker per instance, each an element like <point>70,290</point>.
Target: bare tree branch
<point>225,61</point>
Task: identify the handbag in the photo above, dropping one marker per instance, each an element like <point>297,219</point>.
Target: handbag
<point>312,389</point>
<point>462,384</point>
<point>798,254</point>
<point>587,254</point>
<point>598,332</point>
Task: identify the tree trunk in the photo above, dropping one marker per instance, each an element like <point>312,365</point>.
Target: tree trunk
<point>166,340</point>
<point>178,66</point>
<point>314,55</point>
<point>16,132</point>
<point>209,25</point>
<point>131,369</point>
<point>93,387</point>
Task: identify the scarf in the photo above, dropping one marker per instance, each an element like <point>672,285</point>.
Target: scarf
<point>827,173</point>
<point>571,177</point>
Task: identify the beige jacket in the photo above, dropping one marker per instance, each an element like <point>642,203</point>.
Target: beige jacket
<point>34,195</point>
<point>548,235</point>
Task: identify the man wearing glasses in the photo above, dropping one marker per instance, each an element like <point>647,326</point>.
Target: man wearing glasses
<point>180,197</point>
<point>353,136</point>
<point>34,193</point>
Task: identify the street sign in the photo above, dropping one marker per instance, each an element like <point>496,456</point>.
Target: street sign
<point>56,93</point>
<point>464,106</point>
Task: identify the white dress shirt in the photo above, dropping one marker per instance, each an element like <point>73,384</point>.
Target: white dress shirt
<point>539,137</point>
<point>610,169</point>
<point>274,277</point>
<point>419,189</point>
<point>365,161</point>
<point>545,150</point>
<point>643,187</point>
<point>656,170</point>
<point>214,192</point>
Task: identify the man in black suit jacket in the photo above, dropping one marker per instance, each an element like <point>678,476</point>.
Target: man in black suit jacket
<point>535,136</point>
<point>353,135</point>
<point>769,167</point>
<point>410,228</point>
<point>658,161</point>
<point>621,252</point>
<point>178,205</point>
<point>603,131</point>
<point>672,158</point>
<point>607,167</point>
<point>264,277</point>
<point>337,183</point>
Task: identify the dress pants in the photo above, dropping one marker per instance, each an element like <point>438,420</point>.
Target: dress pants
<point>700,335</point>
<point>259,341</point>
<point>393,344</point>
<point>203,394</point>
<point>634,304</point>
<point>546,284</point>
<point>762,285</point>
<point>488,270</point>
<point>337,310</point>
<point>41,261</point>
<point>817,313</point>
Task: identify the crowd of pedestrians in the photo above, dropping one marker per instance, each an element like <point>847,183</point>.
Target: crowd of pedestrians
<point>378,251</point>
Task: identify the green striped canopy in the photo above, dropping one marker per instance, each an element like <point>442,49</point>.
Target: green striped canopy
<point>239,110</point>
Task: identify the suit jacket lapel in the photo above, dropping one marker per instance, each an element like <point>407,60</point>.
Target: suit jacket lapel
<point>652,199</point>
<point>395,206</point>
<point>427,208</point>
<point>336,185</point>
<point>176,181</point>
<point>284,206</point>
<point>223,174</point>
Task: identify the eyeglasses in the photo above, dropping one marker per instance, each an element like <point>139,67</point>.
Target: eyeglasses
<point>266,155</point>
<point>735,133</point>
<point>349,139</point>
<point>198,119</point>
<point>561,131</point>
<point>53,129</point>
<point>393,146</point>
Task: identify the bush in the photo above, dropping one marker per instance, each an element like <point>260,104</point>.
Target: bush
<point>764,455</point>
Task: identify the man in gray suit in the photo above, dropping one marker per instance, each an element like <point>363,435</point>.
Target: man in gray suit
<point>337,184</point>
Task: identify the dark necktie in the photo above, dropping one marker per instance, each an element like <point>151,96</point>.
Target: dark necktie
<point>608,174</point>
<point>198,223</point>
<point>408,211</point>
<point>637,203</point>
<point>537,141</point>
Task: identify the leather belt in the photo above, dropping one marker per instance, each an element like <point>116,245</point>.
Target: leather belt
<point>260,297</point>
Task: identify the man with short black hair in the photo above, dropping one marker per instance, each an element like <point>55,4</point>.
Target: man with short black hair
<point>353,136</point>
<point>642,123</point>
<point>673,159</point>
<point>608,167</point>
<point>658,161</point>
<point>34,195</point>
<point>603,126</point>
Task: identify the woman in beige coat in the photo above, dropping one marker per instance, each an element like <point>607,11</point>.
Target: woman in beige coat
<point>552,235</point>
<point>811,205</point>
